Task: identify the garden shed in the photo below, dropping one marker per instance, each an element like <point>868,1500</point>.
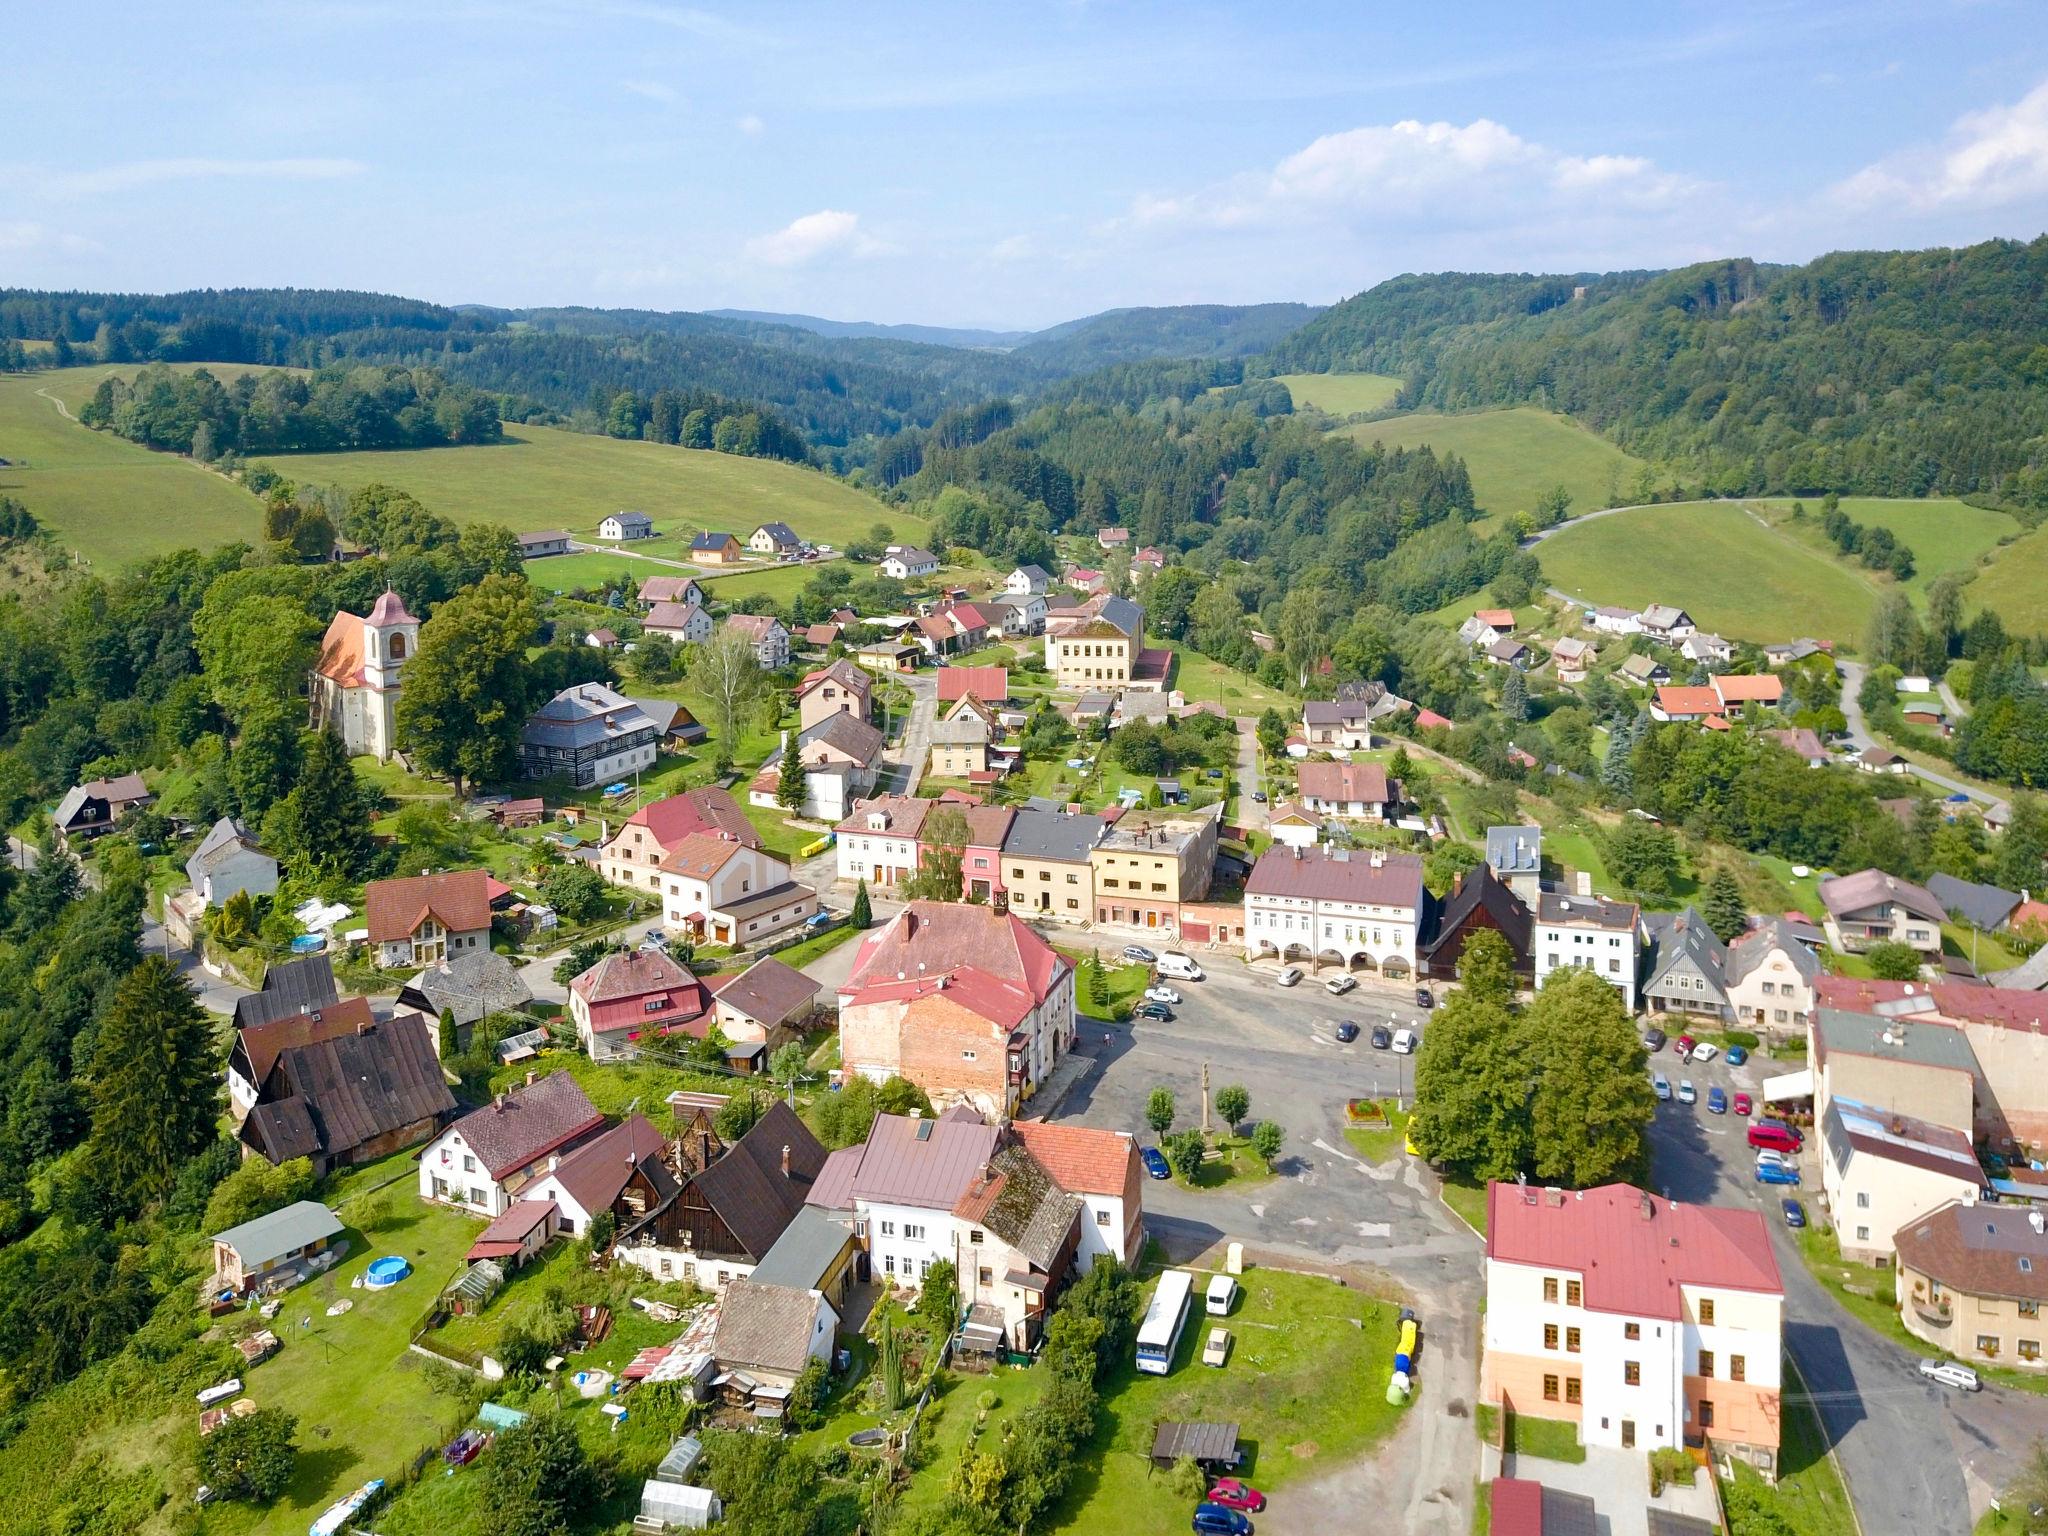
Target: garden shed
<point>472,1292</point>
<point>676,1507</point>
<point>1210,1445</point>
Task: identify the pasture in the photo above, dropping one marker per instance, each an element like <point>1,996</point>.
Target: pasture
<point>2014,584</point>
<point>1944,534</point>
<point>1515,456</point>
<point>1730,570</point>
<point>1341,394</point>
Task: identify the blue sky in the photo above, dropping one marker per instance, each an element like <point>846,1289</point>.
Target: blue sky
<point>994,164</point>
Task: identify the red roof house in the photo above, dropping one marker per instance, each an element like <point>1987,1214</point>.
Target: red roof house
<point>632,994</point>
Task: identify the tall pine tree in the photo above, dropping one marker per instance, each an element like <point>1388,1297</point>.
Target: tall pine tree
<point>1514,696</point>
<point>1725,912</point>
<point>155,1098</point>
<point>1617,772</point>
<point>322,822</point>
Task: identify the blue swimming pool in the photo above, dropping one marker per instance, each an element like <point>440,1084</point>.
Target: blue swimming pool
<point>386,1271</point>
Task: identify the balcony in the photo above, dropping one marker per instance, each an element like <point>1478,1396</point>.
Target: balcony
<point>1935,1314</point>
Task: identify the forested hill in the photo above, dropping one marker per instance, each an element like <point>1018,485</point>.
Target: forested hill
<point>929,335</point>
<point>1176,331</point>
<point>1887,373</point>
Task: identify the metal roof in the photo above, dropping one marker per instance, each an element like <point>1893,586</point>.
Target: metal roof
<point>284,1231</point>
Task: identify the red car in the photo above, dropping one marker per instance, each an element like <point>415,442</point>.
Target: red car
<point>1233,1494</point>
<point>1742,1104</point>
<point>1685,1045</point>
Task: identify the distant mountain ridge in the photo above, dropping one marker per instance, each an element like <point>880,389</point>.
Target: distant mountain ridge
<point>928,335</point>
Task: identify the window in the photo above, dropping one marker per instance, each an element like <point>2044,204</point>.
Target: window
<point>1738,1368</point>
<point>479,1197</point>
<point>888,1263</point>
<point>1550,1335</point>
<point>1572,1293</point>
<point>468,1163</point>
<point>1706,1362</point>
<point>1550,1389</point>
<point>2030,1349</point>
<point>1862,1199</point>
<point>888,1229</point>
<point>1706,1311</point>
<point>1571,1341</point>
<point>1631,1373</point>
<point>1706,1414</point>
<point>1550,1288</point>
<point>913,1233</point>
<point>986,1274</point>
<point>1987,1344</point>
<point>974,1237</point>
<point>2030,1309</point>
<point>967,1055</point>
<point>1102,1218</point>
<point>1631,1330</point>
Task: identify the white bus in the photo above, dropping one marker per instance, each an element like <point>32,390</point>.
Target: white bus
<point>1159,1334</point>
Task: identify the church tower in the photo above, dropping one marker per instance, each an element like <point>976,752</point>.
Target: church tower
<point>390,637</point>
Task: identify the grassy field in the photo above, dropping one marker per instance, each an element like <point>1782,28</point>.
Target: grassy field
<point>1200,678</point>
<point>105,498</point>
<point>1341,394</point>
<point>1551,1439</point>
<point>1515,456</point>
<point>1944,534</point>
<point>1733,574</point>
<point>2014,583</point>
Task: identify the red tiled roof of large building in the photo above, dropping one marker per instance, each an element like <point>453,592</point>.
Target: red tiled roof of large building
<point>1676,699</point>
<point>516,1128</point>
<point>1960,1001</point>
<point>1082,1159</point>
<point>1345,781</point>
<point>902,816</point>
<point>1634,1249</point>
<point>989,684</point>
<point>710,809</point>
<point>341,650</point>
<point>1339,874</point>
<point>990,962</point>
<point>701,855</point>
<point>755,626</point>
<point>459,900</point>
<point>1747,688</point>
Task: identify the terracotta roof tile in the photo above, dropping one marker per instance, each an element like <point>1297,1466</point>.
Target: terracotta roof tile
<point>458,899</point>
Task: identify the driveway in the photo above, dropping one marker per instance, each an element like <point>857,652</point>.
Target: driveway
<point>1853,673</point>
<point>1251,814</point>
<point>906,761</point>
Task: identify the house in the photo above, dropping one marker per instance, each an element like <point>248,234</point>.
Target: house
<point>257,1046</point>
<point>1028,581</point>
<point>684,623</point>
<point>720,890</point>
<point>229,861</point>
<point>674,726</point>
<point>981,856</point>
<point>972,624</point>
<point>274,1251</point>
<point>1872,907</point>
<point>1045,866</point>
<point>468,987</point>
<point>1735,689</point>
<point>820,637</point>
<point>289,987</point>
<point>1981,906</point>
<point>1660,621</point>
<point>1699,646</point>
<point>1787,652</point>
<point>487,1158</point>
<point>1688,966</point>
<point>343,1099</point>
<point>1882,760</point>
<point>91,809</point>
<point>878,842</point>
<point>1344,724</point>
<point>774,539</point>
<point>1515,855</point>
<point>766,1335</point>
<point>589,734</point>
<point>1896,1065</point>
<point>1973,1280</point>
<point>1148,560</point>
<point>620,1171</point>
<point>1023,1231</point>
<point>671,589</point>
<point>635,994</point>
<point>839,688</point>
<point>734,1203</point>
<point>1643,672</point>
<point>1020,614</point>
<point>842,758</point>
<point>906,562</point>
<point>991,685</point>
<point>1113,538</point>
<point>1645,1322</point>
<point>1882,1170</point>
<point>1292,826</point>
<point>1101,1167</point>
<point>633,855</point>
<point>1508,652</point>
<point>1801,742</point>
<point>553,541</point>
<point>967,1003</point>
<point>1358,911</point>
<point>602,640</point>
<point>1769,977</point>
<point>1479,901</point>
<point>1603,936</point>
<point>816,1252</point>
<point>626,525</point>
<point>902,1184</point>
<point>1687,704</point>
<point>959,747</point>
<point>1487,626</point>
<point>764,1006</point>
<point>1086,580</point>
<point>513,1238</point>
<point>1572,659</point>
<point>428,918</point>
<point>765,632</point>
<point>1148,865</point>
<point>1350,791</point>
<point>709,548</point>
<point>1096,643</point>
<point>1615,621</point>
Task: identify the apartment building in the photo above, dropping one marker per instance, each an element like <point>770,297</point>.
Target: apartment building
<point>1605,937</point>
<point>1148,865</point>
<point>1356,910</point>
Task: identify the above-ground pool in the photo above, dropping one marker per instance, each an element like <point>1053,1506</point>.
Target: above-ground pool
<point>386,1271</point>
<point>307,943</point>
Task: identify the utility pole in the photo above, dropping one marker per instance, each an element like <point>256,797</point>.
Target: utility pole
<point>1205,1098</point>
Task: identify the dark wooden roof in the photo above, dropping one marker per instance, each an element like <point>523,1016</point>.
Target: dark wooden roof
<point>332,1096</point>
<point>746,1187</point>
<point>294,986</point>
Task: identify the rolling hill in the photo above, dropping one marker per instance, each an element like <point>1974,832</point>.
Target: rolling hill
<point>928,335</point>
<point>1342,394</point>
<point>1515,456</point>
<point>1185,330</point>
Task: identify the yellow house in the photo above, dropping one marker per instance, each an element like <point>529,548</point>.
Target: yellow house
<point>1046,871</point>
<point>1096,644</point>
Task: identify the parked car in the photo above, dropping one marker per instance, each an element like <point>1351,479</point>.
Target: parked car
<point>1347,1032</point>
<point>1215,1520</point>
<point>1217,1350</point>
<point>1795,1213</point>
<point>1687,1094</point>
<point>1685,1047</point>
<point>1776,1135</point>
<point>1737,1055</point>
<point>1717,1102</point>
<point>1337,986</point>
<point>1259,795</point>
<point>1161,995</point>
<point>1776,1173</point>
<point>1778,1159</point>
<point>1950,1374</point>
<point>1159,1013</point>
<point>1382,1037</point>
<point>1155,1162</point>
<point>1424,998</point>
<point>1706,1050</point>
<point>1742,1104</point>
<point>1405,1042</point>
<point>1661,1086</point>
<point>1233,1493</point>
<point>1140,953</point>
<point>1653,1040</point>
<point>1289,975</point>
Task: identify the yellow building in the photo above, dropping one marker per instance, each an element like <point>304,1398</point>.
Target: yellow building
<point>1095,645</point>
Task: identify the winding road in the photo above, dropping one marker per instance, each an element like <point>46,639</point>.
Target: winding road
<point>1853,673</point>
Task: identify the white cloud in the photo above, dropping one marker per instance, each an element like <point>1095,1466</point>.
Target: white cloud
<point>751,126</point>
<point>1013,248</point>
<point>653,90</point>
<point>27,235</point>
<point>811,238</point>
<point>1993,157</point>
<point>147,173</point>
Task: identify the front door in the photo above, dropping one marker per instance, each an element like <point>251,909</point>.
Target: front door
<point>1628,1434</point>
<point>1151,919</point>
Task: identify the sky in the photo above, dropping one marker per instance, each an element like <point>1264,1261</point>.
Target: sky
<point>995,164</point>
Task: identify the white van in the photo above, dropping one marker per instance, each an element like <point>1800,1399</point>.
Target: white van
<point>1179,967</point>
<point>1222,1291</point>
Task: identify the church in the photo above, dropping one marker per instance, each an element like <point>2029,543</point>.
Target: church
<point>356,681</point>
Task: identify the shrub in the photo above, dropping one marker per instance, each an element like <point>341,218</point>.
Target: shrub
<point>1188,1481</point>
<point>251,1457</point>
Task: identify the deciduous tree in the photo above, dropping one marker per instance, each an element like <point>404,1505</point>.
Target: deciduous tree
<point>1233,1103</point>
<point>727,672</point>
<point>537,1481</point>
<point>251,1456</point>
<point>465,698</point>
<point>1593,1104</point>
<point>1159,1110</point>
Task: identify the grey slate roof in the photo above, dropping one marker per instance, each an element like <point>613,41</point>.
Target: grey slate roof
<point>281,1231</point>
<point>1586,911</point>
<point>471,985</point>
<point>632,519</point>
<point>1056,835</point>
<point>765,1326</point>
<point>1514,850</point>
<point>846,733</point>
<point>1028,1210</point>
<point>1748,951</point>
<point>1982,906</point>
<point>961,731</point>
<point>586,715</point>
<point>807,1248</point>
<point>1685,936</point>
<point>1864,1034</point>
<point>226,836</point>
<point>292,986</point>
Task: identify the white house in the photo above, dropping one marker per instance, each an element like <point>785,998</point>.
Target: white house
<point>721,891</point>
<point>1661,621</point>
<point>905,562</point>
<point>1332,906</point>
<point>1603,936</point>
<point>620,1170</point>
<point>626,525</point>
<point>1882,1171</point>
<point>1028,581</point>
<point>1294,827</point>
<point>684,623</point>
<point>774,539</point>
<point>487,1158</point>
<point>878,842</point>
<point>1101,1167</point>
<point>229,860</point>
<point>771,640</point>
<point>1615,621</point>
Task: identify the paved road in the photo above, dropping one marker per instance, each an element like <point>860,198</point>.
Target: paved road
<point>1251,814</point>
<point>1853,673</point>
<point>908,760</point>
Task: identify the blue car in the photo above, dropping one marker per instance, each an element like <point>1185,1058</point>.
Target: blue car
<point>1717,1102</point>
<point>1795,1213</point>
<point>1737,1055</point>
<point>1155,1162</point>
<point>1776,1173</point>
<point>1215,1520</point>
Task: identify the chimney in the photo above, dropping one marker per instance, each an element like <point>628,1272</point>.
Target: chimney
<point>2036,1220</point>
<point>1649,1207</point>
<point>785,1159</point>
<point>498,1105</point>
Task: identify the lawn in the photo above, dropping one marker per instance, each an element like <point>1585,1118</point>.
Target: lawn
<point>105,498</point>
<point>1306,1385</point>
<point>616,1087</point>
<point>1551,1439</point>
<point>1200,678</point>
<point>1377,1143</point>
<point>1809,1496</point>
<point>1943,533</point>
<point>1732,573</point>
<point>1467,1200</point>
<point>1230,1162</point>
<point>2014,583</point>
<point>1516,456</point>
<point>1341,394</point>
<point>1122,984</point>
